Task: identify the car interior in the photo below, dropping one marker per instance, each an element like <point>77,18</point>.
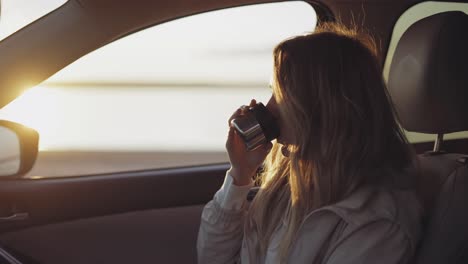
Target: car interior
<point>428,79</point>
<point>153,216</point>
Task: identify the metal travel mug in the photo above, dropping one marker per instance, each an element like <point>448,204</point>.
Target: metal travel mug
<point>256,127</point>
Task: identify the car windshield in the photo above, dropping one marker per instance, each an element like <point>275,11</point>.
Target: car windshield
<point>15,14</point>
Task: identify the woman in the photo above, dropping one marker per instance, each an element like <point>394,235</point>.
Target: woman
<point>337,184</point>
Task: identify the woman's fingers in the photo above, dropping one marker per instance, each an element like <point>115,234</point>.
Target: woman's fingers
<point>230,136</point>
<point>234,115</point>
<point>242,110</point>
<point>235,145</point>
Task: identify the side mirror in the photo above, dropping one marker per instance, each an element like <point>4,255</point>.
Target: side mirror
<point>18,148</point>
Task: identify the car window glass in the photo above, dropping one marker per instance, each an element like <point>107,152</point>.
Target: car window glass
<point>408,18</point>
<point>160,97</point>
<point>15,14</point>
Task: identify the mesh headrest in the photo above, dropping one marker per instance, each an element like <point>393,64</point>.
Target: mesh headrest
<point>428,78</point>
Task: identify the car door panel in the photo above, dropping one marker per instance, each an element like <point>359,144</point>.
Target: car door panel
<point>166,235</point>
<point>137,217</point>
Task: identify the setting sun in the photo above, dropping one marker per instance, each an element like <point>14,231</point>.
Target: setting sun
<point>37,108</point>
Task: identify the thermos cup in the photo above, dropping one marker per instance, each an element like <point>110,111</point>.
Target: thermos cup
<point>256,127</point>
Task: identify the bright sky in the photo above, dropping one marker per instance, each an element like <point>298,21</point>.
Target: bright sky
<point>230,47</point>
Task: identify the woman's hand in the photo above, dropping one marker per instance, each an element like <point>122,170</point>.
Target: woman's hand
<point>244,164</point>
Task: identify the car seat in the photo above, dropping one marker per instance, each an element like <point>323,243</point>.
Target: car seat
<point>428,82</point>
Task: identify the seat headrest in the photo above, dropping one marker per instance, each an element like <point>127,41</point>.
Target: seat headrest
<point>428,79</point>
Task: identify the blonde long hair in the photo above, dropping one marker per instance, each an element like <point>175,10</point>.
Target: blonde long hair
<point>330,87</point>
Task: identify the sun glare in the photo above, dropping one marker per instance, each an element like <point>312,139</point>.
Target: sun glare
<point>35,108</point>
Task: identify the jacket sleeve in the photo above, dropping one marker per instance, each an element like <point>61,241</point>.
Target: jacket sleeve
<point>378,242</point>
<point>222,224</point>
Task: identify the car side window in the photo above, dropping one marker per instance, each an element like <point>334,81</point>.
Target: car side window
<point>408,18</point>
<point>160,97</point>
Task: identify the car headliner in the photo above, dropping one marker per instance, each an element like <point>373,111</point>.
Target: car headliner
<point>41,49</point>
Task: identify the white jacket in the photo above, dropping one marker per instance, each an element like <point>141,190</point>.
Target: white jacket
<point>372,225</point>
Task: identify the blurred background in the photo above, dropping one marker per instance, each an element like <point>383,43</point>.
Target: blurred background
<point>160,97</point>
